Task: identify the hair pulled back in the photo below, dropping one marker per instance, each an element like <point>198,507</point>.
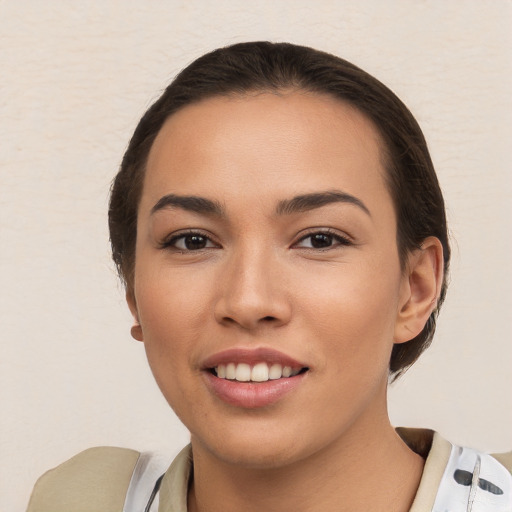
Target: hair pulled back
<point>263,66</point>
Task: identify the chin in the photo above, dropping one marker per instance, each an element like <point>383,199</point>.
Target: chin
<point>258,447</point>
<point>255,455</point>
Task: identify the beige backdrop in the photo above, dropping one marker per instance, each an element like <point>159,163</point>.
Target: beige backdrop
<point>74,79</point>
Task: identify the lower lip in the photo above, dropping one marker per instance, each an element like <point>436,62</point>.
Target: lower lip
<point>251,395</point>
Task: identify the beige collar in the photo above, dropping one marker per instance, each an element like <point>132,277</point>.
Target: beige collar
<point>436,452</point>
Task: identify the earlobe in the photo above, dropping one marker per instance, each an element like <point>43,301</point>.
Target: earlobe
<point>420,290</point>
<point>136,330</point>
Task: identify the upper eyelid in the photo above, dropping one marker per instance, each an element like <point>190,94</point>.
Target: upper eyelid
<point>176,235</point>
<point>326,231</point>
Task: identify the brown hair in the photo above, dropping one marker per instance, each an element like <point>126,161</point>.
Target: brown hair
<point>265,66</point>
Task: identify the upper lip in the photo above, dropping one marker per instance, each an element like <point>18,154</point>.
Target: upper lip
<point>251,357</point>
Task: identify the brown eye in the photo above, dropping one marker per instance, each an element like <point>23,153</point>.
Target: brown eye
<point>194,242</point>
<point>322,240</point>
<point>189,242</point>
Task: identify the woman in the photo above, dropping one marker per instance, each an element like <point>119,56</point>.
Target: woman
<point>281,234</point>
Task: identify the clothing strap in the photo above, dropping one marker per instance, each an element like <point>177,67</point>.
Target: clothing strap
<point>154,494</point>
<point>474,482</point>
<point>143,490</point>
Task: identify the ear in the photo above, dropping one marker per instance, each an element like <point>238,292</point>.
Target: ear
<point>136,330</point>
<point>420,291</point>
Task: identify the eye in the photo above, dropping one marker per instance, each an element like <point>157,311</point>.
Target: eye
<point>190,241</point>
<point>322,240</point>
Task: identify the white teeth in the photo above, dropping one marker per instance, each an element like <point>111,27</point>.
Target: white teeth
<point>221,371</point>
<point>231,371</point>
<point>243,372</point>
<point>275,372</point>
<point>260,372</point>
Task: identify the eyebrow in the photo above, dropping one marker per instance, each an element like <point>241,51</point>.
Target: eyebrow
<point>314,200</point>
<point>194,204</point>
<point>297,204</point>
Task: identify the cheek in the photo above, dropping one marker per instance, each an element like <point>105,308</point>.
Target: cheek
<point>353,309</point>
<point>173,312</point>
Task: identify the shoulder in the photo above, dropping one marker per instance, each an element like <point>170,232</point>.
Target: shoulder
<point>94,480</point>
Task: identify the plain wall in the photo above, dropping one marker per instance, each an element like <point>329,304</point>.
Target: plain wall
<point>74,79</point>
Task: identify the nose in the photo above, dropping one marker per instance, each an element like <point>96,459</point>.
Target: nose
<point>252,291</point>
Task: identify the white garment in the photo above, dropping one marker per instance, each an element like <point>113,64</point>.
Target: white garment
<point>474,482</point>
<point>142,491</point>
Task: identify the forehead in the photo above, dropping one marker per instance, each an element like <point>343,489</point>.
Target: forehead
<point>281,144</point>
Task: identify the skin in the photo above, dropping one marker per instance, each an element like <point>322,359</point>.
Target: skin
<point>259,282</point>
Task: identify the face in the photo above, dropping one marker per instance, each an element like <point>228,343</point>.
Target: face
<point>267,280</point>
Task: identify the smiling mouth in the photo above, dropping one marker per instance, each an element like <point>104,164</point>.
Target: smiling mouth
<point>260,372</point>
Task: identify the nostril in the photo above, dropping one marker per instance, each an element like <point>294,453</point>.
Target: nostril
<point>269,318</point>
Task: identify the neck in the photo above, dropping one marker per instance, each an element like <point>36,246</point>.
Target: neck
<point>366,469</point>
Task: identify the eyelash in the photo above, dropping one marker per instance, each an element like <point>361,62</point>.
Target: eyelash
<point>335,236</point>
<point>170,242</point>
<point>339,240</point>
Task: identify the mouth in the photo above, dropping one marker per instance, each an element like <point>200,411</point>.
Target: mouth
<point>253,378</point>
<point>259,372</point>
